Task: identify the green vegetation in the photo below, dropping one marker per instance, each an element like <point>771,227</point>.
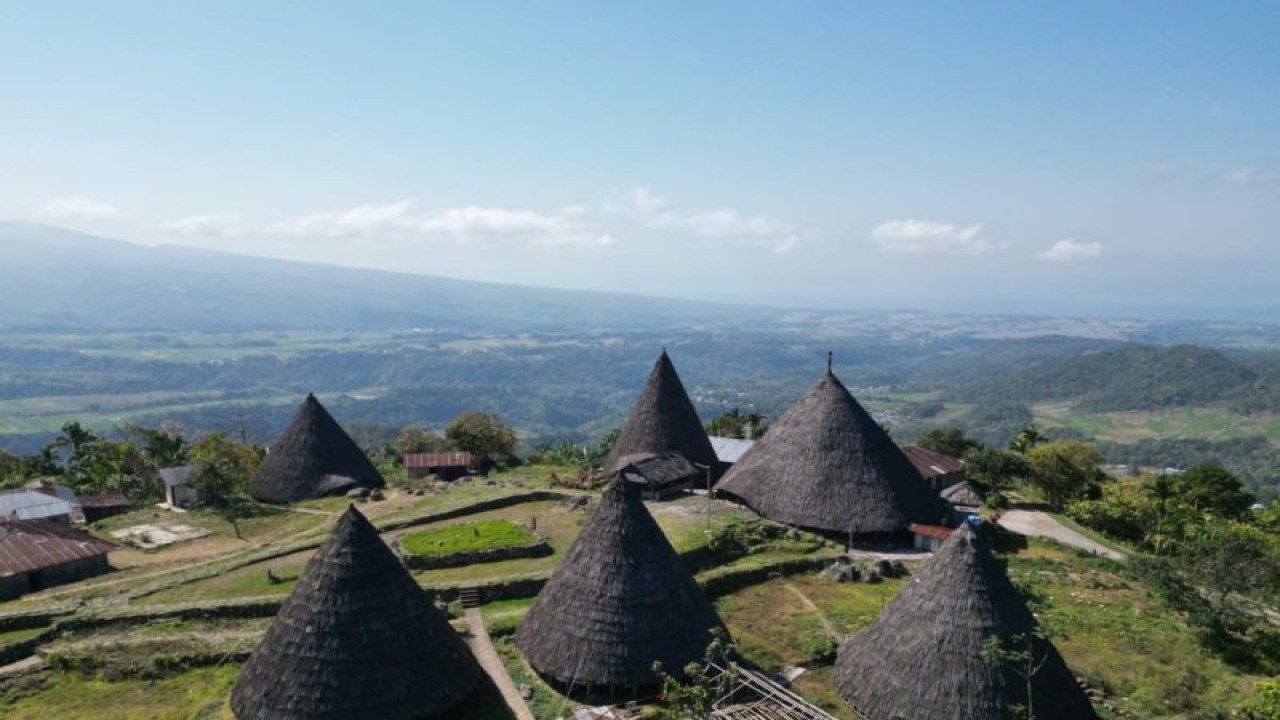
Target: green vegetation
<point>198,693</point>
<point>467,537</point>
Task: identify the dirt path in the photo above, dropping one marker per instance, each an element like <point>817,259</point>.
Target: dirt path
<point>1040,524</point>
<point>822,617</point>
<point>487,656</point>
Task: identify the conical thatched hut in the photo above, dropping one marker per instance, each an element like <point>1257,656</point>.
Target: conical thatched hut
<point>662,421</point>
<point>826,465</point>
<point>922,658</point>
<point>964,494</point>
<point>313,457</point>
<point>356,639</point>
<point>619,600</point>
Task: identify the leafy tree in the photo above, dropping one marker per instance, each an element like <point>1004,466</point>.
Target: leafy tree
<point>417,439</point>
<point>221,470</point>
<point>1021,655</point>
<point>995,468</point>
<point>735,424</point>
<point>1126,510</point>
<point>1266,706</point>
<point>1064,470</point>
<point>948,441</point>
<point>1212,578</point>
<point>1212,488</point>
<point>484,435</point>
<point>694,695</point>
<point>1027,438</point>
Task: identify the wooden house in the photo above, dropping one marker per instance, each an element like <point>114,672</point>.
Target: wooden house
<point>447,466</point>
<point>940,471</point>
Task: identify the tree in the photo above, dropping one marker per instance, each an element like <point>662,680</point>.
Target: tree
<point>1212,488</point>
<point>1064,470</point>
<point>734,424</point>
<point>1027,438</point>
<point>948,441</point>
<point>997,469</point>
<point>221,470</point>
<point>1211,578</point>
<point>484,435</point>
<point>416,439</point>
<point>694,695</point>
<point>1021,656</point>
<point>1266,706</point>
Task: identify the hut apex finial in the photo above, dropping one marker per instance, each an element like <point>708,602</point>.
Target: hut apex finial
<point>830,353</point>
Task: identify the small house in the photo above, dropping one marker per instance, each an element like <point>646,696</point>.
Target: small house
<point>447,466</point>
<point>964,496</point>
<point>929,537</point>
<point>661,476</point>
<point>29,504</point>
<point>940,471</point>
<point>35,554</point>
<point>178,491</point>
<point>96,507</point>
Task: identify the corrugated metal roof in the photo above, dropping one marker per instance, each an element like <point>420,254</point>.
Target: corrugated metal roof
<point>27,545</point>
<point>105,500</point>
<point>32,505</point>
<point>933,531</point>
<point>931,464</point>
<point>728,450</point>
<point>443,459</point>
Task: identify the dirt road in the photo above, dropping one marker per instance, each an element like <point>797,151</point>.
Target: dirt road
<point>1040,524</point>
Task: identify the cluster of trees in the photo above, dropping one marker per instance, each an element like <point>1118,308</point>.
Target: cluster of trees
<point>1061,471</point>
<point>739,425</point>
<point>92,464</point>
<point>484,435</point>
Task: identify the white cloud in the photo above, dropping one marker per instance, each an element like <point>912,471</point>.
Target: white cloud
<point>647,208</point>
<point>928,236</point>
<point>1249,175</point>
<point>228,224</point>
<point>399,222</point>
<point>81,208</point>
<point>1070,249</point>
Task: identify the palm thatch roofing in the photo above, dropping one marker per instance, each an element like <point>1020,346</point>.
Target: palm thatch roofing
<point>922,657</point>
<point>827,465</point>
<point>313,457</point>
<point>619,600</point>
<point>356,639</point>
<point>662,420</point>
<point>965,494</point>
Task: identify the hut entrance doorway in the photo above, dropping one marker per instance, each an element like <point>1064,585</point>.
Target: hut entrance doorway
<point>35,580</point>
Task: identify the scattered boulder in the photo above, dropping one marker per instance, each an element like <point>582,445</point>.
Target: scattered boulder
<point>841,572</point>
<point>899,570</point>
<point>359,493</point>
<point>376,495</point>
<point>872,576</point>
<point>577,502</point>
<point>884,568</point>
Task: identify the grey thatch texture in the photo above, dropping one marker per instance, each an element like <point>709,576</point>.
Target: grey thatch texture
<point>619,600</point>
<point>356,639</point>
<point>827,465</point>
<point>964,493</point>
<point>662,420</point>
<point>922,657</point>
<point>660,470</point>
<point>313,457</point>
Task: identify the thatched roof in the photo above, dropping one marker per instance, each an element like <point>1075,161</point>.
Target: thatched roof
<point>826,465</point>
<point>313,457</point>
<point>659,470</point>
<point>619,600</point>
<point>663,420</point>
<point>964,493</point>
<point>922,657</point>
<point>356,639</point>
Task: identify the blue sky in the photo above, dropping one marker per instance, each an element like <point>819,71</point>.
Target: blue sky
<point>1082,158</point>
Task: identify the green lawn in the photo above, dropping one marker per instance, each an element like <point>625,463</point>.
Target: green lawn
<point>200,693</point>
<point>467,537</point>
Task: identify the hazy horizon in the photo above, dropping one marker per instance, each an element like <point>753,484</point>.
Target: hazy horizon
<point>1083,160</point>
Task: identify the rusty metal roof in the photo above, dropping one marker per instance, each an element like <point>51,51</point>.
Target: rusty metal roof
<point>933,531</point>
<point>931,464</point>
<point>442,459</point>
<point>27,545</point>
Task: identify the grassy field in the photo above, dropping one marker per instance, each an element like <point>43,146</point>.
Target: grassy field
<point>200,693</point>
<point>467,537</point>
<point>1207,423</point>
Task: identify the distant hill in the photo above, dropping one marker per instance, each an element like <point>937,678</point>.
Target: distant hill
<point>1138,377</point>
<point>57,280</point>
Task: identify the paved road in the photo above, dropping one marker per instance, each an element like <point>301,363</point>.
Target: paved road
<point>487,656</point>
<point>1039,524</point>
